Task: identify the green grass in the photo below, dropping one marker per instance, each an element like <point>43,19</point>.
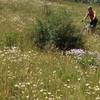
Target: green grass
<point>32,75</point>
<point>29,74</point>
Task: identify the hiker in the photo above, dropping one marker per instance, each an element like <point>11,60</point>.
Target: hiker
<point>91,14</point>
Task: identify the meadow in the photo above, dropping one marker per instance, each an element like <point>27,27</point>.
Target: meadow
<point>29,73</point>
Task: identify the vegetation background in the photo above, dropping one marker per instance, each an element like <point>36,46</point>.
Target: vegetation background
<point>34,34</point>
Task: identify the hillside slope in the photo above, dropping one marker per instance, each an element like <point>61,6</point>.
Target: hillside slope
<point>27,73</point>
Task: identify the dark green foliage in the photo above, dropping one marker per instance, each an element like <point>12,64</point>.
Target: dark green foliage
<point>41,37</point>
<point>69,42</point>
<point>57,29</point>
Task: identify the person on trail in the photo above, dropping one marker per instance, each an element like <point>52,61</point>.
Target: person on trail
<point>93,19</point>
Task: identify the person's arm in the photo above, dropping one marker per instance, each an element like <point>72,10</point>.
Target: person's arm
<point>86,16</point>
<point>94,15</point>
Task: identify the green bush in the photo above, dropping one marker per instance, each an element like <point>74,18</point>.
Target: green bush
<point>41,37</point>
<point>56,28</point>
<point>67,42</point>
<point>11,39</point>
<point>88,60</point>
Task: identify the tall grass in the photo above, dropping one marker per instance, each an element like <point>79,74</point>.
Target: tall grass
<point>45,76</point>
<point>29,74</point>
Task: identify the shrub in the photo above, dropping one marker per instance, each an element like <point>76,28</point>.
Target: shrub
<point>56,28</point>
<point>69,42</point>
<point>88,60</point>
<point>11,39</point>
<point>42,36</point>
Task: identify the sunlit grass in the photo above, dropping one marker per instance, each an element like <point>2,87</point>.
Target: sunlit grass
<point>32,75</point>
<point>29,74</point>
